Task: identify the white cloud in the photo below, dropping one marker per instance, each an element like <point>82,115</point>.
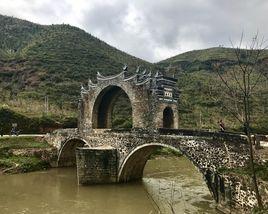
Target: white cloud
<point>152,30</point>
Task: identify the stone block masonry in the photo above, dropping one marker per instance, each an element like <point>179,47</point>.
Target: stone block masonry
<point>96,165</point>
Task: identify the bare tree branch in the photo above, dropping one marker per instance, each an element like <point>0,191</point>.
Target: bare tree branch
<point>240,90</point>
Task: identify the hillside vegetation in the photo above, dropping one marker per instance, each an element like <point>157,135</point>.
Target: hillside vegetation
<point>205,55</point>
<point>200,85</point>
<point>38,61</point>
<point>53,60</point>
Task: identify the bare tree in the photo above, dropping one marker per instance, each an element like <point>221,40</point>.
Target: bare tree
<point>238,86</point>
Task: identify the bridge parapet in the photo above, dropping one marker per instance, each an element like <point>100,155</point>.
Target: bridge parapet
<point>229,136</point>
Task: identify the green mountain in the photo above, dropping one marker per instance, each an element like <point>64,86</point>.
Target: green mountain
<point>200,85</point>
<point>216,53</point>
<point>198,60</point>
<point>38,61</point>
<point>50,61</point>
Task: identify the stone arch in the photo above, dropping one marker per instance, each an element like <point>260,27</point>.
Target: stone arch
<point>104,104</point>
<point>66,157</point>
<point>133,165</point>
<point>168,118</point>
<point>147,93</point>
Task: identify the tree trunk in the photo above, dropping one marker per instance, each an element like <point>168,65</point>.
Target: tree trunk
<point>253,175</point>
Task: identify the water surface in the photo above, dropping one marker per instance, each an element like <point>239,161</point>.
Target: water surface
<point>176,186</point>
<point>169,183</point>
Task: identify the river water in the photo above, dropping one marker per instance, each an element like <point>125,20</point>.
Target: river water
<point>168,184</point>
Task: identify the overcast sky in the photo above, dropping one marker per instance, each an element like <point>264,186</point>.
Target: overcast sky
<point>151,29</point>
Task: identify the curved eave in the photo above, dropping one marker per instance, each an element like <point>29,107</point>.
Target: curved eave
<point>131,78</point>
<point>103,78</point>
<point>143,82</point>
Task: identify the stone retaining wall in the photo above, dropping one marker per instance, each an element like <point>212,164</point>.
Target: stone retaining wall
<point>235,193</point>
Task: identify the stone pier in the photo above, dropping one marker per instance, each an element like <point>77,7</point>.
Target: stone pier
<point>96,165</point>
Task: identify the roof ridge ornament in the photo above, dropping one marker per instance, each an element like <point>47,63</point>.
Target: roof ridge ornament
<point>83,90</point>
<point>158,74</point>
<point>125,68</point>
<point>138,69</point>
<point>99,74</point>
<point>90,83</point>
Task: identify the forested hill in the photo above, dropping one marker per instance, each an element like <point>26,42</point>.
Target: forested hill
<point>199,84</point>
<point>198,60</point>
<point>38,60</point>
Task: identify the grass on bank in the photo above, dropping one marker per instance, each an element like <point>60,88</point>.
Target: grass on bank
<point>257,210</point>
<point>29,125</point>
<point>18,142</point>
<point>10,163</point>
<point>22,164</point>
<point>261,171</point>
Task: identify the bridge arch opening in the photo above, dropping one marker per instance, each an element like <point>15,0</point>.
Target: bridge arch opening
<point>112,109</point>
<point>67,156</point>
<point>133,166</point>
<point>168,118</point>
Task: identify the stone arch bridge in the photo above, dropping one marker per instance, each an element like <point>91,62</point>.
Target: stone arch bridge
<point>104,155</point>
<point>208,151</point>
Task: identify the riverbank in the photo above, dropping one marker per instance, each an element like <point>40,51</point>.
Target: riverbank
<point>20,154</point>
